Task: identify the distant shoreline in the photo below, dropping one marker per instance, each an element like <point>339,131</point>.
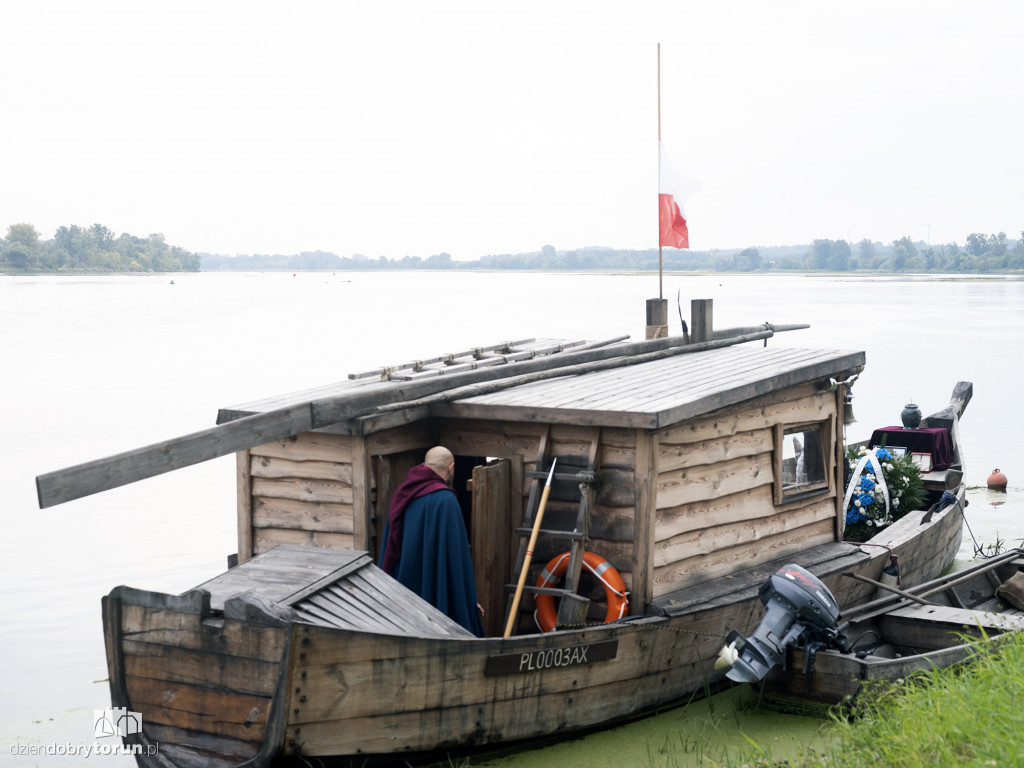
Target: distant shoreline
<point>854,274</point>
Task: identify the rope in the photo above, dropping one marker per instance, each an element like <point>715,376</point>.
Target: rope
<point>547,580</point>
<point>677,630</point>
<point>948,497</point>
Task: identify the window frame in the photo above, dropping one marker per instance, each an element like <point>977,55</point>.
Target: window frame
<point>826,445</point>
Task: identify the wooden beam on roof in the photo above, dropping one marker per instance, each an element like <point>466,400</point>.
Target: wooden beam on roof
<point>332,410</point>
<point>140,463</point>
<point>103,474</point>
<point>485,388</point>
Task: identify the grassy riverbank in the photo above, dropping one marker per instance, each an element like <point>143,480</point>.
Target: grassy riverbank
<point>968,716</point>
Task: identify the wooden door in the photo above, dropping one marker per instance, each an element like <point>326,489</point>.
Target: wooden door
<point>390,473</point>
<point>489,539</point>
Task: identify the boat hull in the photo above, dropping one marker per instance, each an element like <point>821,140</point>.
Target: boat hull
<point>357,694</point>
<point>242,688</point>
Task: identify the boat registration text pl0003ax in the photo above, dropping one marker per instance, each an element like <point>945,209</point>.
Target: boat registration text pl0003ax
<point>550,658</point>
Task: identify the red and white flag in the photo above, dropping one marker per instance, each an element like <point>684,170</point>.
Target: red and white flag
<point>674,189</point>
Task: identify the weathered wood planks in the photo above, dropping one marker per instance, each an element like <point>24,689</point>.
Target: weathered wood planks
<point>300,491</point>
<point>131,466</point>
<point>713,538</point>
<point>279,574</point>
<point>370,601</point>
<point>717,501</point>
<point>492,556</point>
<point>303,515</point>
<point>348,692</point>
<point>423,691</point>
<point>206,687</point>
<point>721,562</point>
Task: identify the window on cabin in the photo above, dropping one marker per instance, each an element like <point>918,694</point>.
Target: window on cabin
<point>800,460</point>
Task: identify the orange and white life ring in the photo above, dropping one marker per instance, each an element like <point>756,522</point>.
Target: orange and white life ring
<point>614,588</point>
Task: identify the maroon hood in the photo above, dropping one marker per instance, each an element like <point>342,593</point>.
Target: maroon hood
<point>420,481</point>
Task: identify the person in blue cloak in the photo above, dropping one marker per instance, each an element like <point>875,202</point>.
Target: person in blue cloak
<point>426,547</point>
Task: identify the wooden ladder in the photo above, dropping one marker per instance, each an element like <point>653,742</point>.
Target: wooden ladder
<point>572,609</point>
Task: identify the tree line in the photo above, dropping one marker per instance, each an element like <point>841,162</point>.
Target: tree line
<point>92,249</point>
<point>980,254</point>
<point>96,249</point>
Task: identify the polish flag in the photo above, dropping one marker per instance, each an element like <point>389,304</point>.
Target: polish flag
<point>674,189</point>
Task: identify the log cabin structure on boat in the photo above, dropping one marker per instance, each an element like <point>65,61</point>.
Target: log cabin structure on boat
<point>691,467</point>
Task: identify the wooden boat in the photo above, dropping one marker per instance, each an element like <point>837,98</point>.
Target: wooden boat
<point>937,624</point>
<point>673,465</point>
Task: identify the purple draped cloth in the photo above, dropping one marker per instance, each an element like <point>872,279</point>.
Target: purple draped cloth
<point>933,440</point>
<point>420,481</point>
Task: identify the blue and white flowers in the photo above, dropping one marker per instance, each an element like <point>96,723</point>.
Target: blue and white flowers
<point>883,487</point>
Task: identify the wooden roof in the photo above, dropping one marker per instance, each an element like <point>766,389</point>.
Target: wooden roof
<point>648,395</point>
<point>660,393</point>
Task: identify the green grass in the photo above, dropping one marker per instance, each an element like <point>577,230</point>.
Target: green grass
<point>971,715</point>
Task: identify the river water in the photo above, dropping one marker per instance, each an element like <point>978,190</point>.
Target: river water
<point>92,366</point>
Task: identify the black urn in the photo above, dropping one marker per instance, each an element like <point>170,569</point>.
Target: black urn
<point>911,416</point>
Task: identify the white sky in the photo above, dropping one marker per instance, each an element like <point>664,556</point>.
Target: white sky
<point>409,127</point>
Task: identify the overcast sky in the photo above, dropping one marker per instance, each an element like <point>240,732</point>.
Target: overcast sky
<point>411,127</point>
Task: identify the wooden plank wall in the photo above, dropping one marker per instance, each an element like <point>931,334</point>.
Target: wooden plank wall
<point>714,508</point>
<point>301,492</point>
<point>659,509</point>
<point>317,488</point>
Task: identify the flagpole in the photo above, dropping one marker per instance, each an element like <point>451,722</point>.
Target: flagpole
<point>657,312</point>
<point>661,294</point>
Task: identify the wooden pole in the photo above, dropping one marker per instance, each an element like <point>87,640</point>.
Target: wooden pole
<point>529,552</point>
<point>661,294</point>
<point>889,588</point>
<point>701,320</point>
<point>657,319</point>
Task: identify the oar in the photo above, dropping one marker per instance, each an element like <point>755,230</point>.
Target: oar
<point>529,551</point>
<point>883,604</point>
<point>890,588</point>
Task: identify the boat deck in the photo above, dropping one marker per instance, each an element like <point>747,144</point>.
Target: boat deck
<point>745,583</point>
<point>332,588</point>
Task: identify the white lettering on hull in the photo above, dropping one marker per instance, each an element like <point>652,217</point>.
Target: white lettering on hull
<point>551,658</point>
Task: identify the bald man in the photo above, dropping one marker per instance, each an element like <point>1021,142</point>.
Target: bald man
<point>425,543</point>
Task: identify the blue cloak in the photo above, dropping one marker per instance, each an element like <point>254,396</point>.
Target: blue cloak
<point>435,560</point>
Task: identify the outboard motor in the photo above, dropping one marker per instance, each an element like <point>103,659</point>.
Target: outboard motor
<point>799,610</point>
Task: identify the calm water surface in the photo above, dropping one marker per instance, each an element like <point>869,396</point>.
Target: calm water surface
<point>96,365</point>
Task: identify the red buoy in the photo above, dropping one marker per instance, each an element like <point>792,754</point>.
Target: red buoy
<point>997,480</point>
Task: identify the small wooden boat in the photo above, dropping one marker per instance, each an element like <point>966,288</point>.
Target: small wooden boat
<point>674,469</point>
<point>937,624</point>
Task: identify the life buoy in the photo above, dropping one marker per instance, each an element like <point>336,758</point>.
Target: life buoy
<point>614,588</point>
